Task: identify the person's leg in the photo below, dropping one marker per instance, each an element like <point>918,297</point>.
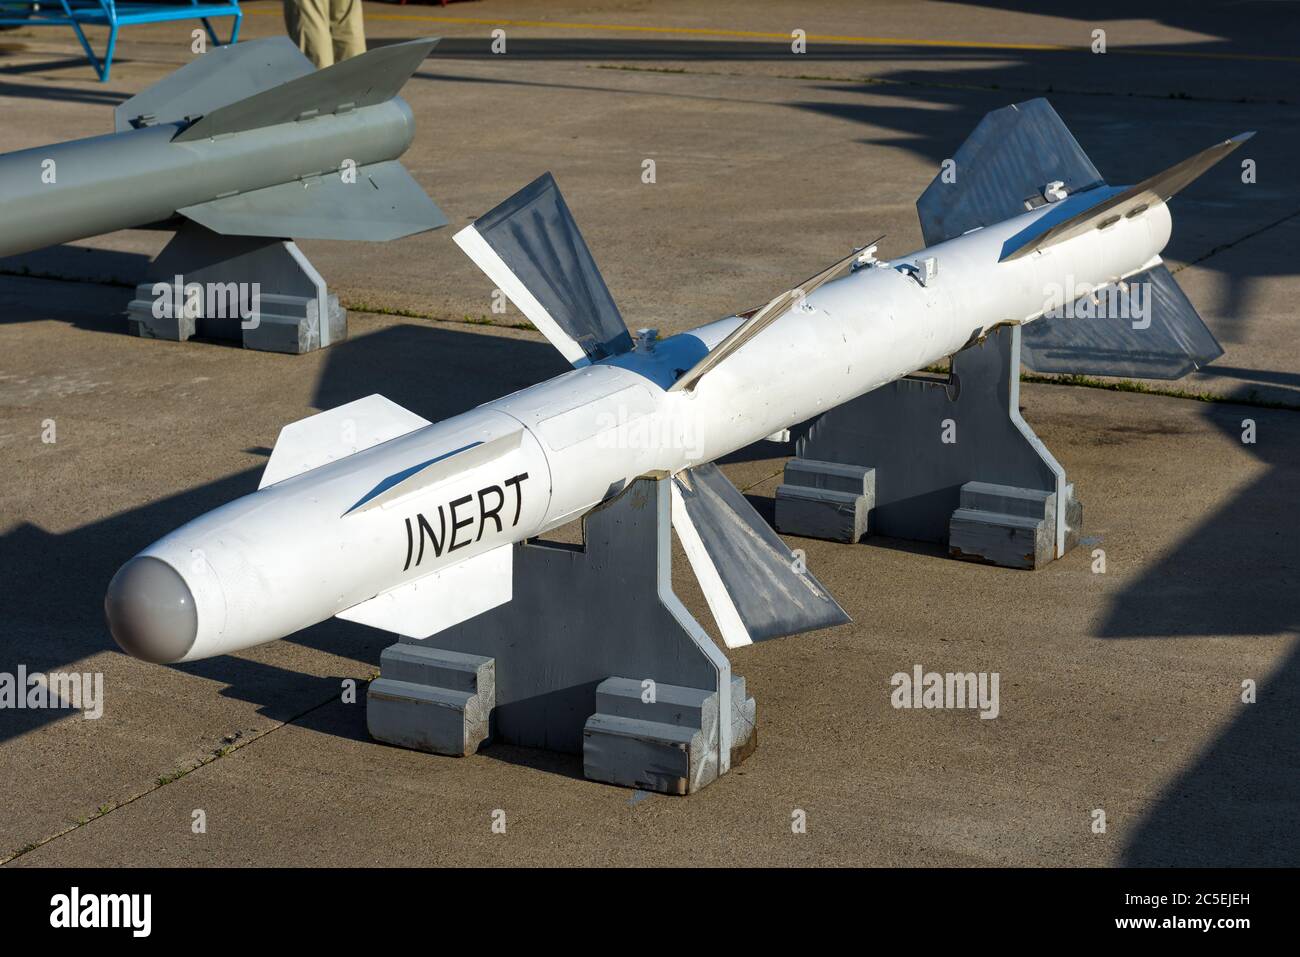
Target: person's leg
<point>348,29</point>
<point>308,22</point>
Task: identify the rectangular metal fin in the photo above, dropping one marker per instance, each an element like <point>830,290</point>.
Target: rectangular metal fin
<point>1011,155</point>
<point>435,602</point>
<point>366,80</point>
<point>222,76</point>
<point>531,247</point>
<point>320,439</point>
<point>1130,201</point>
<point>426,474</point>
<point>1144,328</point>
<point>755,586</point>
<point>383,203</point>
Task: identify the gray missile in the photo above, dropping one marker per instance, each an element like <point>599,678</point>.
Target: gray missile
<point>247,140</point>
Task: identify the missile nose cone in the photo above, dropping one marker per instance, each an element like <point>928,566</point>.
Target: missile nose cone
<point>151,611</point>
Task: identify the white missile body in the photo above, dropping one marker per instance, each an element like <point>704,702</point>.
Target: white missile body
<point>370,513</point>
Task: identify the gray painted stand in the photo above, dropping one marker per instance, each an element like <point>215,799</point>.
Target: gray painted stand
<point>593,655</point>
<point>994,495</point>
<point>290,291</point>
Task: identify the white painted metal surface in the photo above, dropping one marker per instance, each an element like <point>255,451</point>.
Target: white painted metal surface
<point>297,551</point>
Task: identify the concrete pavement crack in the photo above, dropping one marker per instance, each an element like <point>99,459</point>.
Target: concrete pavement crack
<point>106,809</point>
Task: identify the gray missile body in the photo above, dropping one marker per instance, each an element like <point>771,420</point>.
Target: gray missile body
<point>272,163</point>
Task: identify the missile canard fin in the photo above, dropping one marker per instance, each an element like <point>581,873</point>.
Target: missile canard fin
<point>320,439</point>
<point>437,601</point>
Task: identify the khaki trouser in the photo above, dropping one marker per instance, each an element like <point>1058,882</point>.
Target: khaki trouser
<point>326,30</point>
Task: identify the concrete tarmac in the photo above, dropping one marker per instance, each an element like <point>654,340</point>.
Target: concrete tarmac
<point>1121,690</point>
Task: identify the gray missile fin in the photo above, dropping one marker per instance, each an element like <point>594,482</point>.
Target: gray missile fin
<point>434,602</point>
<point>1145,328</point>
<point>320,439</point>
<point>366,80</point>
<point>1070,221</point>
<point>755,586</point>
<point>424,475</point>
<point>1002,169</point>
<point>380,203</point>
<point>531,247</point>
<point>222,76</point>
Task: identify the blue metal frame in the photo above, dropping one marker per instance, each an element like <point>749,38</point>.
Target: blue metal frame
<point>114,15</point>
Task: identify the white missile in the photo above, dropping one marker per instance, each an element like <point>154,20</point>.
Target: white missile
<point>372,514</point>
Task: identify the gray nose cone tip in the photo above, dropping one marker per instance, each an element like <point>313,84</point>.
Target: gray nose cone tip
<point>151,611</point>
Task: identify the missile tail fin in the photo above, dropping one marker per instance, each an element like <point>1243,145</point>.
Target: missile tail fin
<point>1002,170</point>
<point>223,76</point>
<point>320,439</point>
<point>366,80</point>
<point>754,585</point>
<point>531,247</point>
<point>1144,327</point>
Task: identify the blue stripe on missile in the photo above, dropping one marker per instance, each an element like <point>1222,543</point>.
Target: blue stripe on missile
<point>398,477</point>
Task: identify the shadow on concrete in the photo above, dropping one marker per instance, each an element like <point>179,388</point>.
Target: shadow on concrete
<point>53,616</point>
<point>67,94</point>
<point>61,270</point>
<point>1135,110</point>
<point>1235,575</point>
